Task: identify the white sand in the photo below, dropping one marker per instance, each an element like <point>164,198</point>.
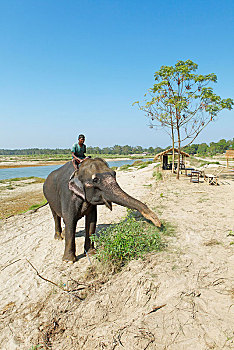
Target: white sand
<point>192,279</point>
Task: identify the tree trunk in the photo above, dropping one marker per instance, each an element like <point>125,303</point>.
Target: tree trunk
<point>178,165</point>
<point>173,147</point>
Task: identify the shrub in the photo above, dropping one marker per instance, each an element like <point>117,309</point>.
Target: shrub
<point>158,175</point>
<point>137,162</point>
<point>143,165</point>
<point>127,240</point>
<point>125,167</point>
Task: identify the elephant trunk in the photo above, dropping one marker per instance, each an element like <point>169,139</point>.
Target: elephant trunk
<point>118,196</point>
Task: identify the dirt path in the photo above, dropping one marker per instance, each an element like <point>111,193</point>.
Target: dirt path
<point>181,298</point>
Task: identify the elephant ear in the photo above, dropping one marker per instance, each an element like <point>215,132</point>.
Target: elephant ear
<point>76,186</point>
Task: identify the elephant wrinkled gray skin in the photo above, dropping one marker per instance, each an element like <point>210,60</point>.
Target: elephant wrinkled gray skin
<point>72,195</point>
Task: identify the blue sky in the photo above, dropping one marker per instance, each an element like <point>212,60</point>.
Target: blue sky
<point>70,67</point>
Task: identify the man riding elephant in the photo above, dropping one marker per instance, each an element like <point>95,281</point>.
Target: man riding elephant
<point>78,151</point>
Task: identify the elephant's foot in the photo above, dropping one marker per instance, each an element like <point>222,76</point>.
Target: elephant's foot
<point>58,236</point>
<point>63,233</point>
<point>69,257</point>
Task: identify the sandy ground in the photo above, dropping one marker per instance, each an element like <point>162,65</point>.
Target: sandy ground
<point>181,298</point>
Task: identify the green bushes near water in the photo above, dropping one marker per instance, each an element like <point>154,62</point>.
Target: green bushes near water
<point>15,179</point>
<point>125,167</point>
<point>137,164</point>
<point>11,184</point>
<point>130,239</point>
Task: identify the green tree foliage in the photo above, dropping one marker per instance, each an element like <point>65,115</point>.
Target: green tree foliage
<point>34,151</point>
<point>182,102</point>
<point>212,149</point>
<point>123,150</point>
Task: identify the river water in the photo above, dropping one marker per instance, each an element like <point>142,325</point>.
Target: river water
<point>43,171</point>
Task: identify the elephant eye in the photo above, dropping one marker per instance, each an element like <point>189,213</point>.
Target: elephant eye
<point>95,180</point>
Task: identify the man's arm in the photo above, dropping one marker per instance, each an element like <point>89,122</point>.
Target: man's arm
<point>76,158</point>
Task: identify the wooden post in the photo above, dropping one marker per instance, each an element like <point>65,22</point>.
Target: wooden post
<point>229,155</point>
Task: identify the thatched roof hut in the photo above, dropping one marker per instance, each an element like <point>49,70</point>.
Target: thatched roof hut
<point>163,156</point>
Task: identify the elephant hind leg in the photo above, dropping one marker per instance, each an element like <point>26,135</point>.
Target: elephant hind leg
<point>58,228</point>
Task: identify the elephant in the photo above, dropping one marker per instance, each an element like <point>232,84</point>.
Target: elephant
<point>74,194</point>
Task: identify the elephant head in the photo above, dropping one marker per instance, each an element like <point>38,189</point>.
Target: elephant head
<point>96,183</point>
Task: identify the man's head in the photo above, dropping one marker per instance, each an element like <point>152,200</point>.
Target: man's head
<point>81,139</point>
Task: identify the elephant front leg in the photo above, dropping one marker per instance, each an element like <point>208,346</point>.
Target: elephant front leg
<point>90,227</point>
<point>70,246</point>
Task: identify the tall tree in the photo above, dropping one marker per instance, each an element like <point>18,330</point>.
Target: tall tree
<point>182,102</point>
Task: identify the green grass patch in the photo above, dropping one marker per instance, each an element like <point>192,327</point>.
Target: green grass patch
<point>199,163</point>
<point>35,206</point>
<point>125,167</point>
<point>130,239</point>
<point>9,187</point>
<point>38,180</point>
<point>207,163</point>
<point>37,347</point>
<point>157,175</point>
<point>16,179</point>
<point>137,162</point>
<point>143,165</point>
<point>231,233</point>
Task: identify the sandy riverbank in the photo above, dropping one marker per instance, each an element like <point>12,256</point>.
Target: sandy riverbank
<point>189,285</point>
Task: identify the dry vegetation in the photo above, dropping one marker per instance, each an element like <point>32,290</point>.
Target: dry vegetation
<point>18,195</point>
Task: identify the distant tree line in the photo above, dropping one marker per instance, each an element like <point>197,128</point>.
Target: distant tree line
<point>200,149</point>
<point>123,150</point>
<point>213,148</point>
<point>33,151</point>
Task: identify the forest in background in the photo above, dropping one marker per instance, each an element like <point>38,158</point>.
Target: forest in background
<point>202,149</point>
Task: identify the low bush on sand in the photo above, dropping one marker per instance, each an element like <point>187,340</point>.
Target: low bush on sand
<point>139,164</point>
<point>33,179</point>
<point>125,167</point>
<point>144,164</point>
<point>157,175</point>
<point>130,239</point>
